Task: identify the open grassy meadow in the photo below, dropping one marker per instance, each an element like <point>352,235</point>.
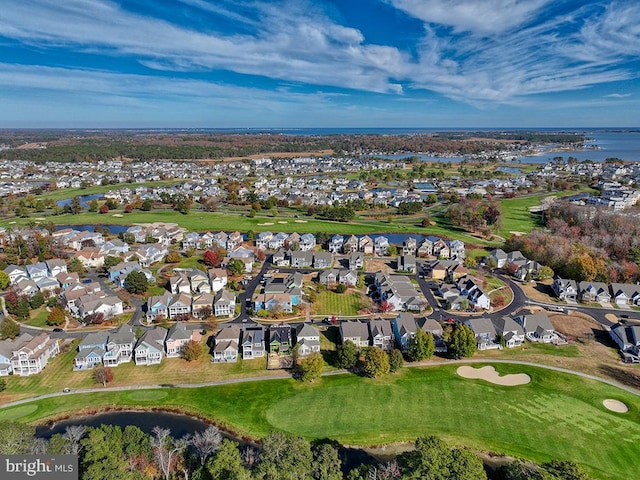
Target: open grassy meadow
<point>331,303</point>
<point>557,415</point>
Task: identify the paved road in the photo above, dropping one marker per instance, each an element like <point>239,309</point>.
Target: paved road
<point>284,375</point>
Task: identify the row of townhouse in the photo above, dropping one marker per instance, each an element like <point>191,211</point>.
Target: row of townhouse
<point>227,241</point>
<point>515,263</point>
<point>252,342</point>
<point>163,233</point>
<point>378,246</point>
<point>273,241</point>
<point>145,255</point>
<point>464,292</point>
<point>302,259</point>
<point>121,346</point>
<point>77,239</point>
<point>194,281</point>
<point>600,292</point>
<point>386,334</point>
<point>118,273</point>
<point>178,305</point>
<point>45,277</point>
<point>27,355</point>
<point>282,291</point>
<point>398,293</point>
<point>512,332</point>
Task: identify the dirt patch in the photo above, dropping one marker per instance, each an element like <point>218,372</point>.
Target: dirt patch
<point>615,405</point>
<point>378,266</point>
<point>490,375</point>
<point>576,326</point>
<point>539,292</point>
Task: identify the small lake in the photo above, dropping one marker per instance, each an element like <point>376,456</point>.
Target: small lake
<point>113,229</point>
<point>84,200</point>
<point>509,170</point>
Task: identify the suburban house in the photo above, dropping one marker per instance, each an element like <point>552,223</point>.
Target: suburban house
<point>280,341</point>
<point>29,354</point>
<point>565,289</point>
<point>56,266</point>
<point>398,292</point>
<point>407,263</point>
<point>434,328</point>
<point>350,245</point>
<point>538,328</point>
<point>179,284</point>
<point>456,250</point>
<point>16,273</point>
<point>149,348</point>
<point>485,333</point>
<point>158,306</point>
<point>226,344</point>
<point>498,256</point>
<point>262,240</point>
<point>6,349</point>
<point>218,278</point>
<point>307,242</point>
<point>91,351</point>
<point>365,245</point>
<point>180,305</point>
<point>356,260</point>
<point>404,328</point>
<point>90,257</point>
<point>301,259</point>
<point>224,304</point>
<point>509,332</point>
<point>119,346</point>
<point>356,332</point>
<point>381,246</point>
<point>625,294</point>
<point>177,337</point>
<point>627,337</point>
<point>253,343</point>
<point>107,306</point>
<point>409,246</point>
<point>590,292</point>
<point>202,305</point>
<point>381,334</point>
<point>322,260</point>
<point>335,243</point>
<point>234,240</point>
<point>308,339</point>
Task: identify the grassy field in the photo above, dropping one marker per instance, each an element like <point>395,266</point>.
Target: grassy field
<point>38,318</point>
<point>339,304</point>
<point>555,416</point>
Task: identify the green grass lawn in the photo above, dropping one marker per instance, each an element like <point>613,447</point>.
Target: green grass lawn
<point>332,303</point>
<point>555,416</point>
<point>38,318</point>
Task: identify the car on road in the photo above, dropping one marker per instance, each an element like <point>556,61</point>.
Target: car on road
<point>624,316</point>
<point>66,390</point>
<point>57,330</point>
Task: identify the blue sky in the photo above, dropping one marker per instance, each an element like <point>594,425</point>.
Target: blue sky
<point>332,63</point>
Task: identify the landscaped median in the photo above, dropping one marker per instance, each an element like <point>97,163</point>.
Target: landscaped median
<point>556,415</point>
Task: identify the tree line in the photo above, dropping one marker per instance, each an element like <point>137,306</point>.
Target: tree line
<point>109,452</point>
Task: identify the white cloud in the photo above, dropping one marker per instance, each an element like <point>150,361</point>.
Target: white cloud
<point>618,95</point>
<point>484,17</point>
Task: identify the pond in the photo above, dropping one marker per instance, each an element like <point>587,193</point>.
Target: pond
<point>84,200</point>
<point>113,229</point>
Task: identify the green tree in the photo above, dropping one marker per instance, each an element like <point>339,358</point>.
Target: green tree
<point>466,465</point>
<point>36,300</point>
<point>226,464</point>
<point>136,282</point>
<point>310,368</point>
<point>544,273</point>
<point>111,261</point>
<point>75,206</point>
<point>236,266</point>
<point>284,456</point>
<point>192,350</point>
<point>341,288</point>
<point>9,329</point>
<point>326,462</point>
<point>15,438</point>
<point>102,374</point>
<point>76,266</point>
<point>430,460</point>
<point>375,362</point>
<point>104,456</point>
<point>93,206</point>
<point>396,360</point>
<point>5,281</point>
<point>172,257</point>
<point>421,346</point>
<point>462,342</point>
<point>146,205</point>
<point>565,470</point>
<point>347,355</point>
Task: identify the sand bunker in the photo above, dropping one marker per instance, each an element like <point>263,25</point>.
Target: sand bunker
<point>489,374</point>
<point>615,405</point>
<point>282,222</point>
<point>119,215</point>
<point>300,221</point>
<point>266,223</point>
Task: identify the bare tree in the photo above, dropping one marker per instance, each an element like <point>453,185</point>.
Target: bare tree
<point>250,456</point>
<point>73,434</point>
<point>39,446</point>
<point>166,448</point>
<point>206,443</point>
